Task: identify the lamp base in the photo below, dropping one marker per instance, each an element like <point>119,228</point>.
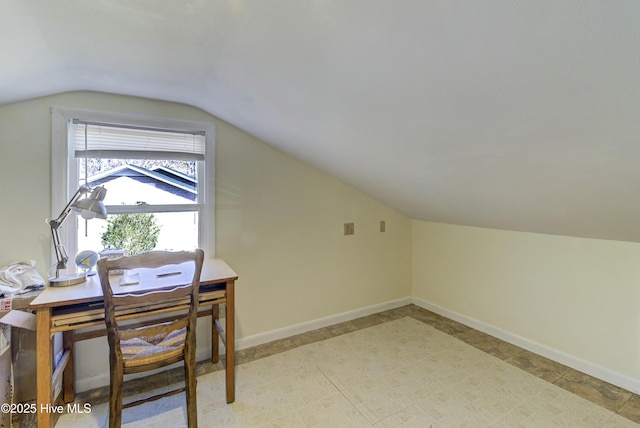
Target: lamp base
<point>67,280</point>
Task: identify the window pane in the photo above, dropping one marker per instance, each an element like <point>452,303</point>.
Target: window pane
<point>136,181</point>
<point>177,231</point>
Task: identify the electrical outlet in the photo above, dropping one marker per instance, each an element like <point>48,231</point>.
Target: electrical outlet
<point>349,229</point>
<point>383,226</point>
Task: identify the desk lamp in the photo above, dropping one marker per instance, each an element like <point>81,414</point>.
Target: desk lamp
<point>88,208</point>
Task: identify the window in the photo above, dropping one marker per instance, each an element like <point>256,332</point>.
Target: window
<point>157,172</point>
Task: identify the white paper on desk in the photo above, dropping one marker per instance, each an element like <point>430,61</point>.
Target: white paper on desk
<point>130,278</point>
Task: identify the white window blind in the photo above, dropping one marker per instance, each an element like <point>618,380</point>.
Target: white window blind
<point>101,140</point>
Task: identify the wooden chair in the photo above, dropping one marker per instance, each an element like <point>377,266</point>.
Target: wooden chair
<point>150,344</point>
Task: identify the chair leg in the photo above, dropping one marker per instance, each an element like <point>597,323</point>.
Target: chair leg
<point>115,398</point>
<point>190,388</point>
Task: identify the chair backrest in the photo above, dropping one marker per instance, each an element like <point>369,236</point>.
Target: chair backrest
<point>157,289</point>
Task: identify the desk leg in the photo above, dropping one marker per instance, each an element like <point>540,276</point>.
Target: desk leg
<point>68,376</point>
<point>44,367</point>
<point>230,358</point>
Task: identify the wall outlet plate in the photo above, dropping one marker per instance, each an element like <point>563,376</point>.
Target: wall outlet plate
<point>349,228</point>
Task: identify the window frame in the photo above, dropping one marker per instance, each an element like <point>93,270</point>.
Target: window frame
<point>65,180</point>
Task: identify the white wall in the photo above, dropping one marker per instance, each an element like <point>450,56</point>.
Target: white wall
<point>279,224</point>
<point>576,300</point>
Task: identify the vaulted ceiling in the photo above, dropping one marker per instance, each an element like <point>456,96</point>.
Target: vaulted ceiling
<point>520,115</point>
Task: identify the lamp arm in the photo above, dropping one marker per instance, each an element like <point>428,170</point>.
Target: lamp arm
<point>61,253</point>
<point>55,224</point>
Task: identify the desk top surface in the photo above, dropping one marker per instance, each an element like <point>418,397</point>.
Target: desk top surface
<point>213,271</point>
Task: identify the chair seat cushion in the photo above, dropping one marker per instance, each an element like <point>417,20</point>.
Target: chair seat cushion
<point>151,349</point>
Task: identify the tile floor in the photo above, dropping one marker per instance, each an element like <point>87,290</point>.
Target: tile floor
<point>403,367</point>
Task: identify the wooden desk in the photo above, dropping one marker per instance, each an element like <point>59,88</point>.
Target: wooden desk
<point>66,309</point>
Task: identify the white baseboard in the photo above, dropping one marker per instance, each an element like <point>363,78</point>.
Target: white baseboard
<point>569,360</point>
<point>584,366</point>
<point>281,333</point>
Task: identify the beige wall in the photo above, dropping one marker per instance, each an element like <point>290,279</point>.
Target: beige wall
<point>579,298</point>
<point>279,222</point>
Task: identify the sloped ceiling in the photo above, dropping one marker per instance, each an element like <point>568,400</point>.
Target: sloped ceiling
<point>519,115</point>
